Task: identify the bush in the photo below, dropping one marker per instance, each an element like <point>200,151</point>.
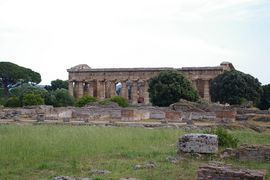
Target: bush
<point>234,86</point>
<point>265,100</point>
<point>32,99</point>
<point>120,101</point>
<point>59,98</point>
<point>105,102</point>
<point>224,138</point>
<point>169,87</point>
<point>13,102</point>
<point>85,100</point>
<point>26,88</point>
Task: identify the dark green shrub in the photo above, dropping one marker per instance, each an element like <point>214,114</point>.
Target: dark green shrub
<point>3,98</point>
<point>235,87</point>
<point>59,98</point>
<point>32,99</point>
<point>105,102</point>
<point>224,138</point>
<point>85,100</point>
<point>265,100</point>
<point>13,102</point>
<point>169,87</point>
<point>120,101</point>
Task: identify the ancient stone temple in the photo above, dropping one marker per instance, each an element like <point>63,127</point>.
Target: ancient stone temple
<point>101,83</point>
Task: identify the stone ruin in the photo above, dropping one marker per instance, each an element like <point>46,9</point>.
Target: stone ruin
<point>101,83</point>
<point>225,172</point>
<point>198,143</point>
<point>259,153</point>
<point>183,112</point>
<point>208,144</point>
<point>178,112</point>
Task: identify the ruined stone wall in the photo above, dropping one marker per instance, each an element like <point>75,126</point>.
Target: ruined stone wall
<point>91,113</point>
<point>211,172</point>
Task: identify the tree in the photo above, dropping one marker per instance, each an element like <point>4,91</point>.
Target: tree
<point>59,98</point>
<point>265,99</point>
<point>26,88</point>
<point>11,74</point>
<point>169,87</point>
<point>234,87</point>
<point>57,84</point>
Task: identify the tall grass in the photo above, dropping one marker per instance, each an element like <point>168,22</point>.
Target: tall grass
<point>42,152</point>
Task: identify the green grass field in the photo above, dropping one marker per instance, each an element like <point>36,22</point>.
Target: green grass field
<point>43,152</point>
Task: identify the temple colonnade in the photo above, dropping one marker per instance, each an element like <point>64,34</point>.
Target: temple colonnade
<point>136,91</point>
<point>101,83</point>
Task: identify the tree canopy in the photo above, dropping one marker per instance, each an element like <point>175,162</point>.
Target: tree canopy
<point>11,74</point>
<point>25,89</point>
<point>265,100</point>
<point>234,87</point>
<point>57,84</point>
<point>59,98</point>
<point>169,87</point>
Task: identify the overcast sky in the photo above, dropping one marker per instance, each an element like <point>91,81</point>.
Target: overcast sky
<point>50,36</point>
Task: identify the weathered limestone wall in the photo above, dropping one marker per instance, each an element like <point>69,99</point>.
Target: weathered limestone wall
<point>101,82</point>
<point>211,172</point>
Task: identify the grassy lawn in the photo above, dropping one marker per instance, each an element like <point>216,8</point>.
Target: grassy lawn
<point>43,152</point>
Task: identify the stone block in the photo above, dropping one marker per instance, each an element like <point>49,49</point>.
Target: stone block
<point>157,115</point>
<point>65,114</point>
<point>115,114</point>
<point>40,117</point>
<point>173,115</point>
<point>130,115</point>
<point>212,172</point>
<point>253,153</point>
<point>80,113</point>
<point>226,115</point>
<point>198,143</point>
<point>144,114</point>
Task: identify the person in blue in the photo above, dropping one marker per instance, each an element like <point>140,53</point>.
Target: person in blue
<point>118,88</point>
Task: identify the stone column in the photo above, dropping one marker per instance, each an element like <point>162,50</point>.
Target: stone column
<point>108,88</point>
<point>194,84</point>
<point>112,89</point>
<point>100,89</point>
<point>129,91</point>
<point>79,89</point>
<point>85,89</point>
<point>134,92</point>
<point>146,93</point>
<point>206,92</point>
<point>71,88</point>
<point>89,88</point>
<point>124,92</point>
